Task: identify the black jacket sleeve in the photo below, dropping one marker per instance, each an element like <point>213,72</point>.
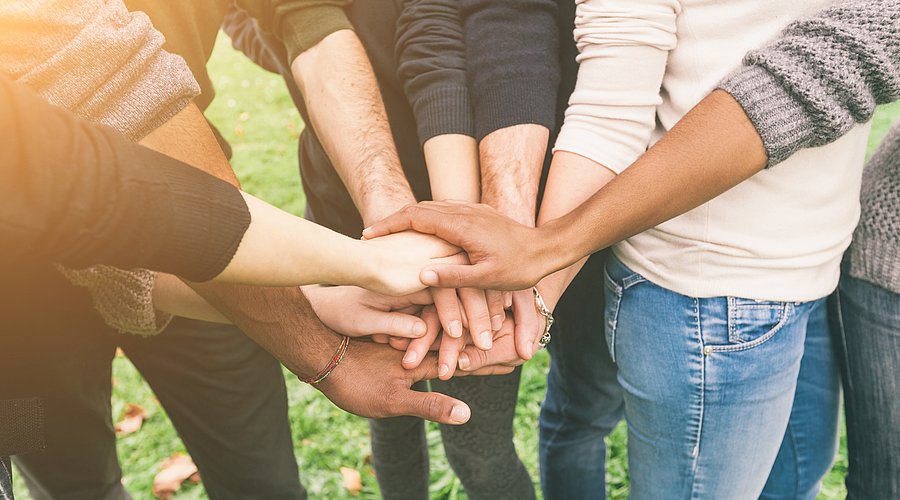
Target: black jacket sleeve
<point>431,63</point>
<point>512,57</point>
<point>80,194</point>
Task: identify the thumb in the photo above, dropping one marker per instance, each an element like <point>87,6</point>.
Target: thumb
<point>433,406</point>
<point>456,276</point>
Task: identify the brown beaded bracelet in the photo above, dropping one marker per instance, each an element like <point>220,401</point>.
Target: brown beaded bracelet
<point>335,360</point>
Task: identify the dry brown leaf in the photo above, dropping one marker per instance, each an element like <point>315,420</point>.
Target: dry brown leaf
<point>174,471</point>
<point>352,480</point>
<point>132,419</point>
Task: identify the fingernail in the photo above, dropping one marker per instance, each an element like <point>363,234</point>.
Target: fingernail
<point>443,370</point>
<point>486,339</point>
<point>410,357</point>
<point>460,414</point>
<point>367,230</point>
<point>497,322</point>
<point>456,329</point>
<point>463,361</point>
<point>430,278</point>
<point>419,329</point>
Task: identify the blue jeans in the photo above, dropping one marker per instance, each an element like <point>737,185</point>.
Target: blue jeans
<point>709,387</point>
<point>869,337</point>
<point>584,400</point>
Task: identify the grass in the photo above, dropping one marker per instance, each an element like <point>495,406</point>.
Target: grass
<point>254,112</point>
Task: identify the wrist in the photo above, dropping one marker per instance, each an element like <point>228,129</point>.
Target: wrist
<point>378,206</point>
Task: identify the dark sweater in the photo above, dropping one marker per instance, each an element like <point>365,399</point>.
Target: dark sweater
<point>81,194</point>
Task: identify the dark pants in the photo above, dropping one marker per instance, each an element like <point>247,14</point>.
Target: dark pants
<point>584,401</point>
<point>868,340</point>
<point>224,394</point>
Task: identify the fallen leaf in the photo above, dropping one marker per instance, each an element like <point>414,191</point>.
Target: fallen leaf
<point>352,480</point>
<point>132,420</point>
<point>175,470</point>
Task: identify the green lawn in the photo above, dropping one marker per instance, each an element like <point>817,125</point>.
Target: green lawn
<point>253,111</point>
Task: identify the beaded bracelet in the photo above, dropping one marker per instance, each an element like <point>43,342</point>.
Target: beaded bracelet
<point>335,360</point>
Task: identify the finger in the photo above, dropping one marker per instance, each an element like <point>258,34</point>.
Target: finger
<point>507,300</point>
<point>504,353</point>
<point>448,356</point>
<point>495,308</point>
<point>529,323</point>
<point>461,275</point>
<point>432,406</point>
<point>448,310</point>
<point>419,347</point>
<point>380,338</point>
<point>479,317</point>
<point>399,343</point>
<point>489,370</point>
<point>394,324</point>
<point>422,218</point>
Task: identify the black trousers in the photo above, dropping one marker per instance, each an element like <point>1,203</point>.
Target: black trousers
<point>225,396</point>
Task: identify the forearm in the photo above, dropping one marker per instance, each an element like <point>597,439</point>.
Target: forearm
<point>345,108</point>
<point>710,150</point>
<point>572,180</point>
<point>511,162</point>
<point>280,320</point>
<point>452,161</point>
<point>280,249</point>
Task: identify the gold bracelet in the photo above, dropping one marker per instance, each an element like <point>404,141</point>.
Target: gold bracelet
<point>548,316</point>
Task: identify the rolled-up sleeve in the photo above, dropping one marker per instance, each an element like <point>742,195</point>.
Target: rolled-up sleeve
<point>431,54</point>
<point>299,24</point>
<point>97,59</point>
<point>623,48</point>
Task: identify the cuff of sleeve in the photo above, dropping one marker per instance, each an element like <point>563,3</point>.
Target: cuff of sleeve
<point>504,106</point>
<point>210,218</point>
<point>444,110</point>
<point>303,29</point>
<point>776,113</point>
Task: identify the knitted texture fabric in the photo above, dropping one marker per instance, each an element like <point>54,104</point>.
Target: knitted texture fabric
<point>875,251</point>
<point>810,86</point>
<point>106,65</point>
<point>124,298</point>
<point>823,75</point>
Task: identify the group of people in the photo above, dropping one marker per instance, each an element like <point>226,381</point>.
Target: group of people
<point>668,195</point>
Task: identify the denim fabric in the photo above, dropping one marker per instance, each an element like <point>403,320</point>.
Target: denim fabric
<point>5,479</point>
<point>584,400</point>
<point>709,385</point>
<point>868,336</point>
<point>805,456</point>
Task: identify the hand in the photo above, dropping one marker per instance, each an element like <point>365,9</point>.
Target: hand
<point>357,312</point>
<point>505,255</point>
<point>370,382</point>
<point>397,260</point>
<point>514,344</point>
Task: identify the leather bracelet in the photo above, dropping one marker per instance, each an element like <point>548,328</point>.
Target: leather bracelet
<point>545,312</point>
<point>335,360</point>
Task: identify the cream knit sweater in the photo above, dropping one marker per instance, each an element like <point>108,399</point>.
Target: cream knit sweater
<point>777,236</point>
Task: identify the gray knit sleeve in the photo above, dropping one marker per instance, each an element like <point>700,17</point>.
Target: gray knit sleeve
<point>823,75</point>
<point>96,59</point>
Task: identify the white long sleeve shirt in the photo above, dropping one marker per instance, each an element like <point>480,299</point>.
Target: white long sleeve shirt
<point>779,235</point>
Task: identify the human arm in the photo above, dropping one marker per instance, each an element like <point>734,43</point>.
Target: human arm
<point>711,149</point>
<point>369,381</point>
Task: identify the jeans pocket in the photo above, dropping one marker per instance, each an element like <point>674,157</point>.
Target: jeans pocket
<point>753,322</point>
